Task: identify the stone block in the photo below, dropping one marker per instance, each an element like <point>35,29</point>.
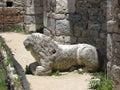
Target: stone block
<point>8,27</point>
<point>34,10</point>
<point>116,37</point>
<point>93,11</point>
<point>18,19</point>
<point>74,17</point>
<point>1,19</point>
<point>93,18</point>
<point>82,10</point>
<point>13,19</point>
<point>80,26</point>
<point>86,33</point>
<point>1,10</point>
<point>79,3</point>
<point>13,11</point>
<point>103,35</point>
<point>65,6</point>
<point>58,16</point>
<point>112,27</point>
<point>1,4</point>
<point>102,19</point>
<point>104,27</point>
<point>28,3</point>
<point>94,34</point>
<point>29,19</point>
<point>63,27</point>
<point>116,51</point>
<point>70,40</point>
<point>77,30</point>
<point>116,74</point>
<point>38,3</point>
<point>35,3</point>
<point>83,40</point>
<point>94,26</point>
<point>31,27</point>
<point>36,19</point>
<point>19,3</point>
<point>8,19</point>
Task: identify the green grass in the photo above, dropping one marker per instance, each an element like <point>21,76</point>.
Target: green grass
<point>100,81</point>
<point>80,72</point>
<point>3,72</point>
<point>18,29</point>
<point>3,83</point>
<point>56,73</point>
<point>9,60</point>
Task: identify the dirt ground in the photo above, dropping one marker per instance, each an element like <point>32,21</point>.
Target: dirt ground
<point>69,81</point>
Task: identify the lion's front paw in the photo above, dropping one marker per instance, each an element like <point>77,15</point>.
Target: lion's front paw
<point>40,70</point>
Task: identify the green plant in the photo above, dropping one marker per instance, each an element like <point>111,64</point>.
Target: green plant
<point>3,83</point>
<point>80,72</point>
<point>18,28</point>
<point>94,84</point>
<point>27,70</point>
<point>56,73</point>
<point>98,74</point>
<point>1,46</point>
<point>9,60</point>
<point>106,84</point>
<point>100,82</point>
<point>3,72</point>
<point>17,82</point>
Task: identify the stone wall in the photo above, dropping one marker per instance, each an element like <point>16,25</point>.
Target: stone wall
<point>11,15</point>
<point>33,19</point>
<point>77,21</point>
<point>27,14</point>
<point>113,42</point>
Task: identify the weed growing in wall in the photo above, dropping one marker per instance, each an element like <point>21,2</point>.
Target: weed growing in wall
<point>18,28</point>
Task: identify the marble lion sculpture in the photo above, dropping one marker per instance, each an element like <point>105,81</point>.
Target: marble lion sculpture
<point>52,56</point>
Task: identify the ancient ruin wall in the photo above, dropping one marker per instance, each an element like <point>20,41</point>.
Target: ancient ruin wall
<point>21,14</point>
<point>76,21</point>
<point>113,42</point>
<point>11,14</point>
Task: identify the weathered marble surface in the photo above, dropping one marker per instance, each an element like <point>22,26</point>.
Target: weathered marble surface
<point>52,56</point>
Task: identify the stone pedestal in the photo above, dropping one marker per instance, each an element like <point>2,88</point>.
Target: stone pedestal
<point>33,18</point>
